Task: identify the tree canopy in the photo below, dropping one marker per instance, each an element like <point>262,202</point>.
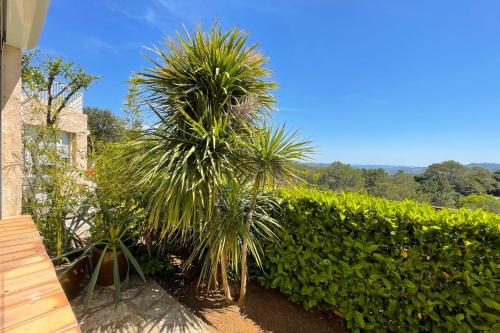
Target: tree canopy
<point>103,126</point>
<point>442,184</point>
<point>41,77</point>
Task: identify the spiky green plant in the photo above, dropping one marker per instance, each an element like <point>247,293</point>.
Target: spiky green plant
<point>270,156</point>
<point>110,230</point>
<point>220,239</point>
<point>208,90</point>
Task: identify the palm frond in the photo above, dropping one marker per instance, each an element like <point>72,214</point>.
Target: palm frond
<point>272,155</point>
<point>225,232</point>
<point>207,89</point>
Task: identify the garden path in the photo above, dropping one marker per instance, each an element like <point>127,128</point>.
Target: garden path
<point>144,308</point>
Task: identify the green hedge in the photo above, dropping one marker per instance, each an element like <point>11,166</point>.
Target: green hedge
<point>387,266</point>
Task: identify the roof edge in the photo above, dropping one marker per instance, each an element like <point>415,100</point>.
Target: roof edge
<point>25,19</point>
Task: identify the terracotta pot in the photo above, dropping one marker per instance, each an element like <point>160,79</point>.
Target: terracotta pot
<point>106,276</point>
<point>70,281</point>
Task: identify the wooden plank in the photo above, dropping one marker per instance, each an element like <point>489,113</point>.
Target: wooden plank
<point>19,240</point>
<point>26,281</point>
<point>31,297</point>
<point>27,234</point>
<point>20,270</point>
<point>21,254</point>
<point>71,330</point>
<point>20,247</point>
<point>18,232</point>
<point>59,320</point>
<point>32,309</point>
<point>21,262</point>
<point>33,292</point>
<point>22,218</point>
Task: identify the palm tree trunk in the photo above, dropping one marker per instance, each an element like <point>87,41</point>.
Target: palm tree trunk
<point>214,277</point>
<point>225,283</point>
<point>244,245</point>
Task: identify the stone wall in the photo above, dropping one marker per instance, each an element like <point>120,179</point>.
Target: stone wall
<point>70,121</point>
<point>12,178</point>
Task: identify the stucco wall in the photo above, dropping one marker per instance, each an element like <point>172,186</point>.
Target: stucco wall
<point>12,177</point>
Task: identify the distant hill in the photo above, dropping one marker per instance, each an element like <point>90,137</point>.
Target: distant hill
<point>412,170</point>
<point>388,168</point>
<point>490,166</point>
<point>317,165</point>
<point>392,169</point>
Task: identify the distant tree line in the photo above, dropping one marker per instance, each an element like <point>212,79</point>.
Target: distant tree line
<point>445,184</point>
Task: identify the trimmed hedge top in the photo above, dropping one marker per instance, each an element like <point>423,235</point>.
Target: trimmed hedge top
<point>385,265</point>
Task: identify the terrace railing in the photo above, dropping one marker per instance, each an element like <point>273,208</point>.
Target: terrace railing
<point>59,91</point>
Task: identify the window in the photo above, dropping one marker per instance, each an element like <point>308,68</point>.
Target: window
<point>64,145</point>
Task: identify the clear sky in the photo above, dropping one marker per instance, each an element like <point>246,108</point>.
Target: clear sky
<point>370,82</point>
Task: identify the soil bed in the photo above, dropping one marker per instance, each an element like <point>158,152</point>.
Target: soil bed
<point>266,310</point>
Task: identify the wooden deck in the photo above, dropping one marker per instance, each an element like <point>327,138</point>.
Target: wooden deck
<point>31,298</point>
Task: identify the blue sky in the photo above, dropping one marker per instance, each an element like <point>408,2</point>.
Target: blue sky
<point>369,82</point>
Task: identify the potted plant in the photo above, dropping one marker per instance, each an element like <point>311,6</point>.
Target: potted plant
<point>112,233</point>
<point>71,264</point>
<point>66,247</point>
<point>62,227</point>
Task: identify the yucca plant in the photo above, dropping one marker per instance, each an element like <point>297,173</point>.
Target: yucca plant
<point>211,96</point>
<point>270,157</point>
<point>219,241</point>
<point>110,231</point>
<point>208,91</point>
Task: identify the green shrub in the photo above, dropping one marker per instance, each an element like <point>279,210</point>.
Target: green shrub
<point>154,260</point>
<point>483,201</point>
<point>153,266</point>
<point>387,266</point>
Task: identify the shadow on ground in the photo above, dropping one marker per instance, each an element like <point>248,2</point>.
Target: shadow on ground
<point>265,311</point>
<point>144,308</point>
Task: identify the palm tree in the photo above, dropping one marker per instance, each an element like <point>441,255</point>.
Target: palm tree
<point>220,239</point>
<point>208,91</point>
<point>271,155</point>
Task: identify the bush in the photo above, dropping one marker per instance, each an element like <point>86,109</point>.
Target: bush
<point>387,266</point>
<point>154,262</point>
<point>486,202</point>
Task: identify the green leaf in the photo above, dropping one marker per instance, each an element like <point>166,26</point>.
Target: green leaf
<point>359,319</point>
<point>132,260</point>
<point>387,284</point>
<point>95,274</point>
<point>495,328</point>
<point>491,303</point>
<point>116,278</point>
